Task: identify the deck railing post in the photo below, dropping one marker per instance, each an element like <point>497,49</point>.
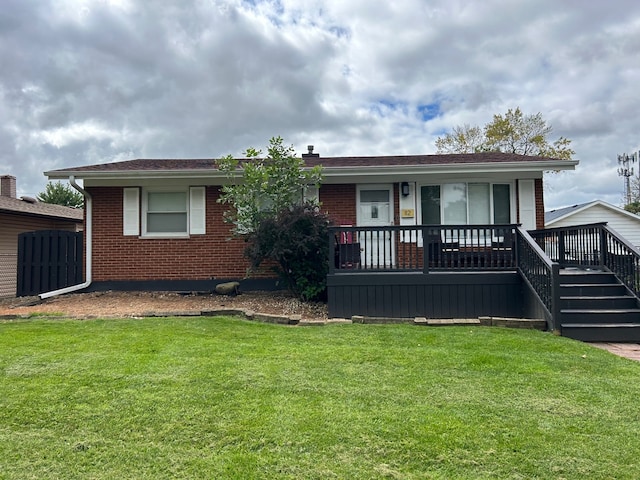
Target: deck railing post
<point>556,312</point>
<point>425,249</point>
<point>332,252</point>
<point>603,247</point>
<point>561,245</point>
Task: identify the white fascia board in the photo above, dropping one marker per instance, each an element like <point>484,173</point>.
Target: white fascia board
<point>356,172</point>
<point>138,174</point>
<point>472,168</point>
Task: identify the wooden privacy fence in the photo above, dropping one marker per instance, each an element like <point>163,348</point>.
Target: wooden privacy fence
<point>48,260</point>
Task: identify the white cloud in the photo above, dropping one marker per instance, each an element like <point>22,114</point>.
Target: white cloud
<point>89,81</point>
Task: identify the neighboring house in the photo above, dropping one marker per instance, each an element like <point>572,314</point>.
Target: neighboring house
<point>157,224</point>
<point>627,224</point>
<point>18,215</point>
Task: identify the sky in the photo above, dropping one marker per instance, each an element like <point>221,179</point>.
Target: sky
<point>96,81</point>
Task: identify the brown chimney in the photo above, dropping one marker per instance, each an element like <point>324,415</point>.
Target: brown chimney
<point>8,186</point>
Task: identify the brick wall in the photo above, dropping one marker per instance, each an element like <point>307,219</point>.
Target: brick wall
<point>119,257</point>
<point>200,257</point>
<point>339,201</point>
<point>538,186</point>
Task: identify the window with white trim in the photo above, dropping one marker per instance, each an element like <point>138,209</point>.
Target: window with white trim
<point>164,212</point>
<point>466,203</point>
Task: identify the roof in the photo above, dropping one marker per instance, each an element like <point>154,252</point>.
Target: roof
<point>331,165</point>
<point>553,216</point>
<point>40,209</point>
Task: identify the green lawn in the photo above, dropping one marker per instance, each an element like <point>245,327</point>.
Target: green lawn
<point>225,398</point>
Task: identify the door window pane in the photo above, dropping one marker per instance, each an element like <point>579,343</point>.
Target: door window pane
<point>501,204</point>
<point>374,196</point>
<point>430,199</point>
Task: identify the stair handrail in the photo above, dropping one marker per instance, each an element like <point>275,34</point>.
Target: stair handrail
<point>541,274</point>
<point>622,258</point>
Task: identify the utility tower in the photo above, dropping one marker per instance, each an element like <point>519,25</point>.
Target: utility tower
<point>626,170</point>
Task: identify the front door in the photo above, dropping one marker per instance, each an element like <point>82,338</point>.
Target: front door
<point>375,209</point>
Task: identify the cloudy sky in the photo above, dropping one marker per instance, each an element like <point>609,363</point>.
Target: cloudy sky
<point>93,81</point>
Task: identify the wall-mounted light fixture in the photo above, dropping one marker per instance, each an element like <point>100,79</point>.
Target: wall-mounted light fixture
<point>404,189</point>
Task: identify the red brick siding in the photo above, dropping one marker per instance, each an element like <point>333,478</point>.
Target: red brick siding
<point>119,257</point>
<point>539,187</point>
<point>339,201</point>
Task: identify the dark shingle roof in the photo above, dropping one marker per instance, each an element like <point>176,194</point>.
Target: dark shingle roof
<point>552,215</point>
<point>141,165</point>
<point>16,205</point>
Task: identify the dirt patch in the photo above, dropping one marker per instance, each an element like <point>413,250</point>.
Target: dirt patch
<point>133,304</point>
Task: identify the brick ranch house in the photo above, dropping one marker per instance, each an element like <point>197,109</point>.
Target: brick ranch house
<point>157,224</point>
<point>428,236</point>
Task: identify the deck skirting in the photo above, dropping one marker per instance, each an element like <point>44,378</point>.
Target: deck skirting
<point>432,295</point>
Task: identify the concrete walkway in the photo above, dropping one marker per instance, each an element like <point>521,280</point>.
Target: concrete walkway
<point>627,350</point>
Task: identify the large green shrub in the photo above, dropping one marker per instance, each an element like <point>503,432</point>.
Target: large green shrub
<point>297,241</point>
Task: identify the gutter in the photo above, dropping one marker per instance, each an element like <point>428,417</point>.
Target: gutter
<point>88,245</point>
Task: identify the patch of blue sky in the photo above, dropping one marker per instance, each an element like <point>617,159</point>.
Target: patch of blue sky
<point>275,6</point>
<point>428,111</point>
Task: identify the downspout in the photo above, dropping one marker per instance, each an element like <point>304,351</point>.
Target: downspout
<point>88,245</point>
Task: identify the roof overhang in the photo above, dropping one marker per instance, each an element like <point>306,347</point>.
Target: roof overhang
<point>332,174</point>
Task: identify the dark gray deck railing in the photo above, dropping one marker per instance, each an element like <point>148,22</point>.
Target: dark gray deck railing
<point>422,248</point>
<point>540,273</point>
<point>595,245</point>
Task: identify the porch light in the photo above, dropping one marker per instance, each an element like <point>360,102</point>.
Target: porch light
<point>404,188</point>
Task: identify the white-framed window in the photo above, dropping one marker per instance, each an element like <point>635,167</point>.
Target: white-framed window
<point>164,212</point>
<point>461,203</point>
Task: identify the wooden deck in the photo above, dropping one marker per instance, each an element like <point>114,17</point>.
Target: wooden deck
<point>470,271</point>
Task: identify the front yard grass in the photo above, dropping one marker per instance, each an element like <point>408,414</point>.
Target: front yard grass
<point>225,398</point>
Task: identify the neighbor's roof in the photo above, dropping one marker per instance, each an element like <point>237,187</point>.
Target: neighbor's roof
<point>39,209</point>
<point>558,214</point>
<point>331,165</point>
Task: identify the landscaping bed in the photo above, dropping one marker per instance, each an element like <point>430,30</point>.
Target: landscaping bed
<point>132,304</point>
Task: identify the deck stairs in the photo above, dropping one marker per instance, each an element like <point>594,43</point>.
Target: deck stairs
<point>596,307</point>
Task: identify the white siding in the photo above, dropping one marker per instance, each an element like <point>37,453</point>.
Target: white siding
<point>626,226</point>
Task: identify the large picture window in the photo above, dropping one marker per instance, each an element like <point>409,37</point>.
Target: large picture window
<point>466,204</point>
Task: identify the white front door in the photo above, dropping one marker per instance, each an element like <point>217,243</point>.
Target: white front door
<point>375,209</point>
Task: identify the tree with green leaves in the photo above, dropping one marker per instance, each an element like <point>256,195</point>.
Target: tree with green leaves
<point>633,207</point>
<point>512,132</point>
<point>58,193</point>
<point>264,186</point>
<point>269,211</point>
